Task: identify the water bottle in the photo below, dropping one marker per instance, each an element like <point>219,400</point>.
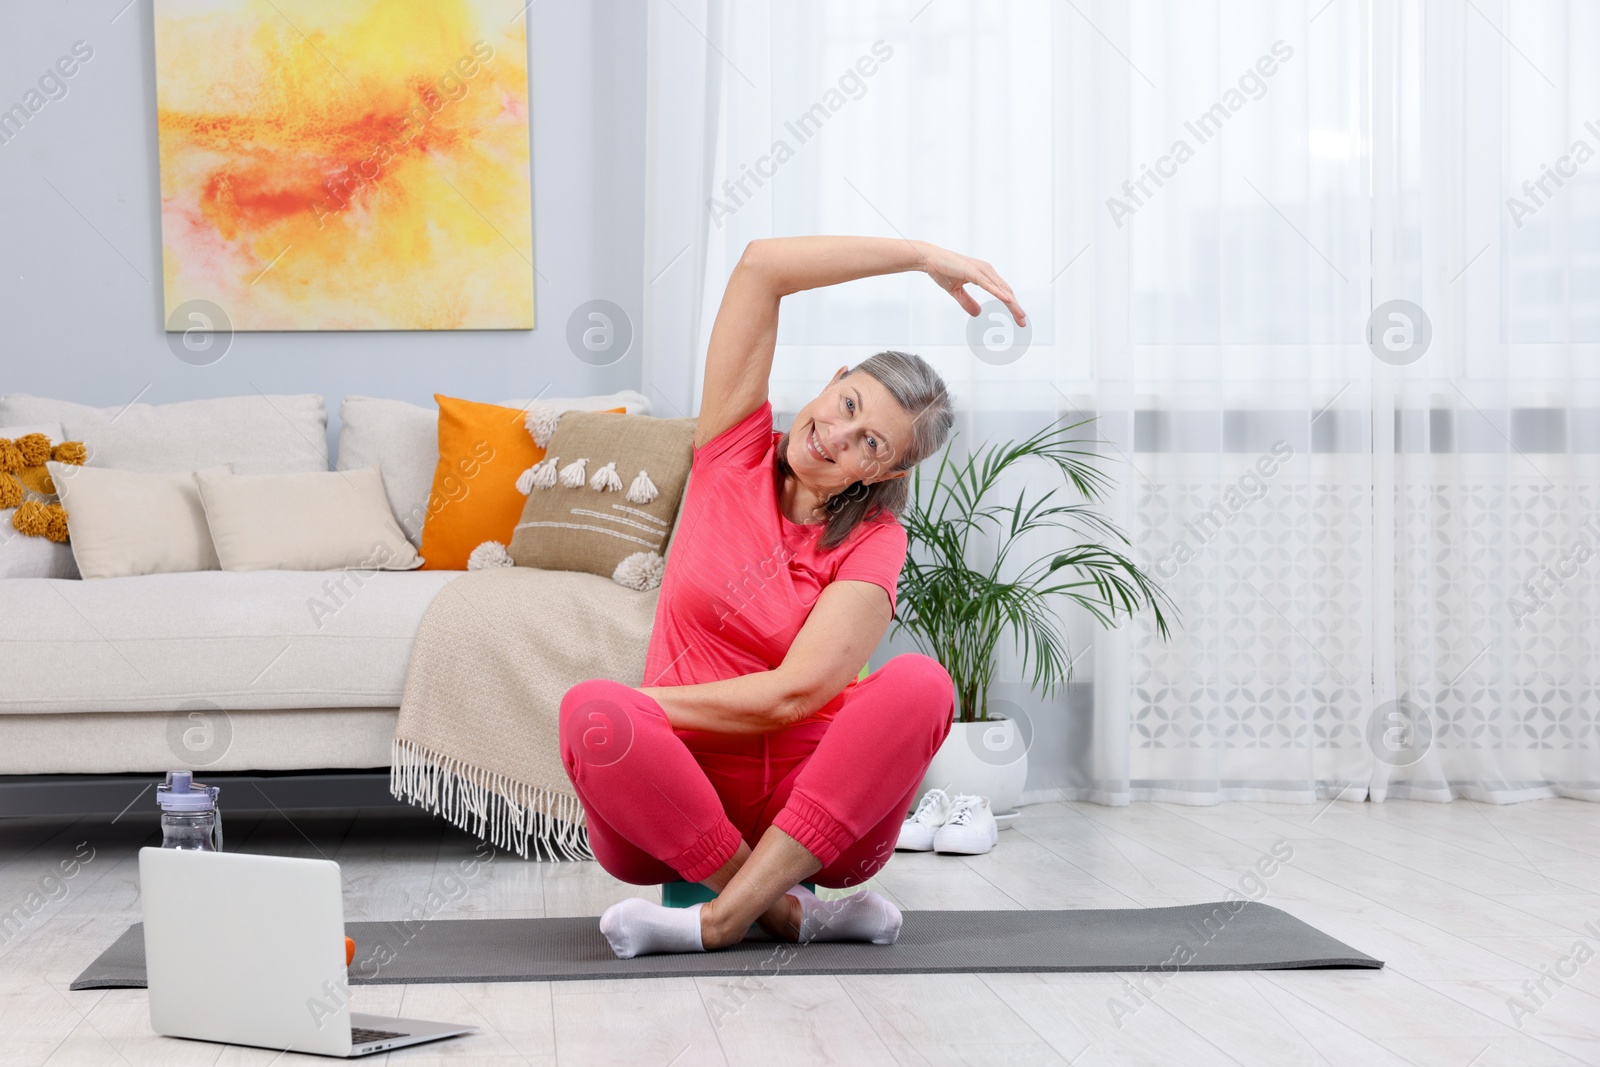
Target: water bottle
<point>189,815</point>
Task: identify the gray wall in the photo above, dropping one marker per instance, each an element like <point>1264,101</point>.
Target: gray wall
<point>78,322</point>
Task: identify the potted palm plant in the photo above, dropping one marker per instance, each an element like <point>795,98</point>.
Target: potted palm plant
<point>963,589</point>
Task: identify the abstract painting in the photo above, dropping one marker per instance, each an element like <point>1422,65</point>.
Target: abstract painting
<point>359,165</point>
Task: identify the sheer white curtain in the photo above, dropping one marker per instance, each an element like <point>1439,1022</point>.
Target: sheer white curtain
<point>1488,206</point>
<point>1201,205</point>
<point>1223,312</point>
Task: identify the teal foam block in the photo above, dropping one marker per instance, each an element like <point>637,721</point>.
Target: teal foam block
<point>688,894</point>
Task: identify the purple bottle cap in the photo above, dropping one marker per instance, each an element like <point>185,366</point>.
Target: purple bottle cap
<point>182,793</point>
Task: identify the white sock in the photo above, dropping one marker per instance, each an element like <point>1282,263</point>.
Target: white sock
<point>863,916</point>
<point>636,927</point>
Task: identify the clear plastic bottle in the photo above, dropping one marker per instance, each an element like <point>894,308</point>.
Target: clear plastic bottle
<point>189,815</point>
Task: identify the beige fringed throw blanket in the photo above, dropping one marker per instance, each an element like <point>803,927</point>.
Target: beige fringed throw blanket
<point>477,739</point>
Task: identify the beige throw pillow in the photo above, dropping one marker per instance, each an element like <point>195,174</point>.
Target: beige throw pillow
<point>121,523</point>
<point>604,498</point>
<point>315,521</point>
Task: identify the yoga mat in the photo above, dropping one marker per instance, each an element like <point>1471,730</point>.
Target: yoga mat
<point>1243,936</point>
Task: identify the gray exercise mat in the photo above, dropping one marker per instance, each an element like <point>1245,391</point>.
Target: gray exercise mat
<point>1195,937</point>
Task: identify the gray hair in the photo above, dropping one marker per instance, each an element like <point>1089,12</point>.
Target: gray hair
<point>920,391</point>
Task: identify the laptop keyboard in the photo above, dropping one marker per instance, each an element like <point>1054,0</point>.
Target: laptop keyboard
<point>360,1035</point>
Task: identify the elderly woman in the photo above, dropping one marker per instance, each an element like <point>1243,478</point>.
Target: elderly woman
<point>752,758</point>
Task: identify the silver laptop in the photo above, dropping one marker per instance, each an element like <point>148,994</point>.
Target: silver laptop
<point>249,950</point>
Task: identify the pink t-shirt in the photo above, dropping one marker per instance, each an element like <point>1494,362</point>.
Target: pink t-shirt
<point>741,576</point>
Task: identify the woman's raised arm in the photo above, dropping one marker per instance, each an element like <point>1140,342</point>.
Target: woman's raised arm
<point>745,334</point>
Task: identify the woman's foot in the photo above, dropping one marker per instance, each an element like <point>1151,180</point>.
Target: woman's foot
<point>715,932</point>
<point>804,917</point>
<point>782,920</point>
<point>863,916</point>
<point>637,927</point>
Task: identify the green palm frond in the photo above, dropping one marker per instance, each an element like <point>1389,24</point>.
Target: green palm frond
<point>957,611</point>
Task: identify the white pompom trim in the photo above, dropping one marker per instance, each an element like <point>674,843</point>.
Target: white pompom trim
<point>572,474</point>
<point>541,421</point>
<point>643,490</point>
<point>641,571</point>
<point>489,554</point>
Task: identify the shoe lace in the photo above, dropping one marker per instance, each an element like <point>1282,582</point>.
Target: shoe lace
<point>928,808</point>
<point>963,810</point>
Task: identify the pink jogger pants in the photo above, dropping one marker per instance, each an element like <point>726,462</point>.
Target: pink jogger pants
<point>664,804</point>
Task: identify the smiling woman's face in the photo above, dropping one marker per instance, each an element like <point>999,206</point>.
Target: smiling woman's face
<point>855,431</point>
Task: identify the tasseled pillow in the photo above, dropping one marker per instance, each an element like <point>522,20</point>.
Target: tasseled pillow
<point>581,522</point>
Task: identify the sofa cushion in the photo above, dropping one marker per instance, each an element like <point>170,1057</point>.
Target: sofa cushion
<point>257,434</point>
<point>201,736</point>
<point>241,639</point>
<point>403,440</point>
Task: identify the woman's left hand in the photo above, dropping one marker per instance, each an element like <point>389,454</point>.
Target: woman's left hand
<point>953,272</point>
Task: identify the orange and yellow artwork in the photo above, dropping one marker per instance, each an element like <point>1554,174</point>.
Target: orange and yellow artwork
<point>358,165</point>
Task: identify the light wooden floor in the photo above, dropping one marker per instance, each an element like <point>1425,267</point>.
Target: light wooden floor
<point>1465,901</point>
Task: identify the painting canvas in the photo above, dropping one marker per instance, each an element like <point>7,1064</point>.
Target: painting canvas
<point>360,165</point>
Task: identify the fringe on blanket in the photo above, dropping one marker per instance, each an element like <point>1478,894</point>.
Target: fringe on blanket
<point>492,806</point>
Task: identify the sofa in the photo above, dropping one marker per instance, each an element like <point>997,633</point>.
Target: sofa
<point>266,670</point>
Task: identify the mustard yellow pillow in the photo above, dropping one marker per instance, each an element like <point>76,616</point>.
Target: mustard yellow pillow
<point>26,485</point>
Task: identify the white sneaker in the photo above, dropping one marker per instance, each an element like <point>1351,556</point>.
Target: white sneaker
<point>970,827</point>
<point>917,832</point>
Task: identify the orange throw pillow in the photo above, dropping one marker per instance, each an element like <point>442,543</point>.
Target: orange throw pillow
<point>482,450</point>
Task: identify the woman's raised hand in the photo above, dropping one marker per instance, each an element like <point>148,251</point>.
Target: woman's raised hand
<point>953,272</point>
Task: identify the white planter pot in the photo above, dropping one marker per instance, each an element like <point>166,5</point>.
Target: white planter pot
<point>988,758</point>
